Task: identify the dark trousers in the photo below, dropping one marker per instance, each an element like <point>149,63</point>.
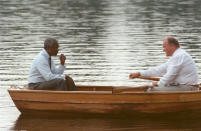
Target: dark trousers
<point>55,84</point>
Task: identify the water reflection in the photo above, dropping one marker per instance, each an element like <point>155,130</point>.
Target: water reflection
<point>187,120</point>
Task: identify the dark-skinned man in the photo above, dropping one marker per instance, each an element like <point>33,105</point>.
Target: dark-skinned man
<point>44,75</point>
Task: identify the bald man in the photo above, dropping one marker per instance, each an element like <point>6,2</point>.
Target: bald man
<point>179,73</point>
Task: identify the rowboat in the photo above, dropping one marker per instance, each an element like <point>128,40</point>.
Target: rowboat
<point>105,99</point>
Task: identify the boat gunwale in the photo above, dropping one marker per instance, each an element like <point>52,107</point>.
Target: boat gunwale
<point>108,103</point>
<point>103,92</point>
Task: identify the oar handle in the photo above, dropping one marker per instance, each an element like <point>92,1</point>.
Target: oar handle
<point>149,78</point>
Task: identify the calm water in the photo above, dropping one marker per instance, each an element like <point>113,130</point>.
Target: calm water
<point>103,40</point>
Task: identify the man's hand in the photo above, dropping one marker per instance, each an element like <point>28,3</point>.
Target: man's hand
<point>66,76</point>
<point>154,84</point>
<point>134,75</point>
<point>62,59</point>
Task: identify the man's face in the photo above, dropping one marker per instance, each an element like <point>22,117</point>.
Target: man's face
<point>168,48</point>
<point>54,49</point>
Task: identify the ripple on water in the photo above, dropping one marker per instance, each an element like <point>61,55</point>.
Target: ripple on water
<point>103,41</point>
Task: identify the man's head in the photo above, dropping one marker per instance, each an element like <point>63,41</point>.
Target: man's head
<point>51,46</point>
<point>170,44</point>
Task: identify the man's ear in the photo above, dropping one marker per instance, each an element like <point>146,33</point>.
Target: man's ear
<point>48,49</point>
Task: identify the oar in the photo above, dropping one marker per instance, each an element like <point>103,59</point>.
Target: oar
<point>137,89</point>
<point>149,78</point>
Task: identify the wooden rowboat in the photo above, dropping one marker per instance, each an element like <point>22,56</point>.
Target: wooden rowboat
<point>105,99</point>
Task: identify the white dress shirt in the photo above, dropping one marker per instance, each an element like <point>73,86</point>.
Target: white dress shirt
<point>179,69</point>
<point>40,69</point>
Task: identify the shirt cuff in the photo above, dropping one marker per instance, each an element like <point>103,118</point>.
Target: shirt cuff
<point>142,73</point>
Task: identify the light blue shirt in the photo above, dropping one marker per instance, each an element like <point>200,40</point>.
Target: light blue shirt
<point>179,69</point>
<point>40,69</point>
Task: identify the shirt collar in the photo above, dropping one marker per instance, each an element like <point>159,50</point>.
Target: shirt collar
<point>176,51</point>
<point>44,53</point>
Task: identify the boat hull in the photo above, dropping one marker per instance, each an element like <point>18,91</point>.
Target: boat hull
<point>104,101</point>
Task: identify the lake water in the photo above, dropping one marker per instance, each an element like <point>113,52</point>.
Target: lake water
<point>103,40</point>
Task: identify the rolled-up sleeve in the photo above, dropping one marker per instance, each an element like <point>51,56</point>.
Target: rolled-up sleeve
<point>157,71</point>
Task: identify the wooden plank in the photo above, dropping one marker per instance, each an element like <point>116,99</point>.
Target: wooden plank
<point>94,88</point>
<point>106,108</point>
<point>117,90</point>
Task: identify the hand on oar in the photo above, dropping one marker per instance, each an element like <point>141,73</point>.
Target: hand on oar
<point>154,84</point>
<point>138,75</point>
<point>151,78</point>
<point>134,75</point>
